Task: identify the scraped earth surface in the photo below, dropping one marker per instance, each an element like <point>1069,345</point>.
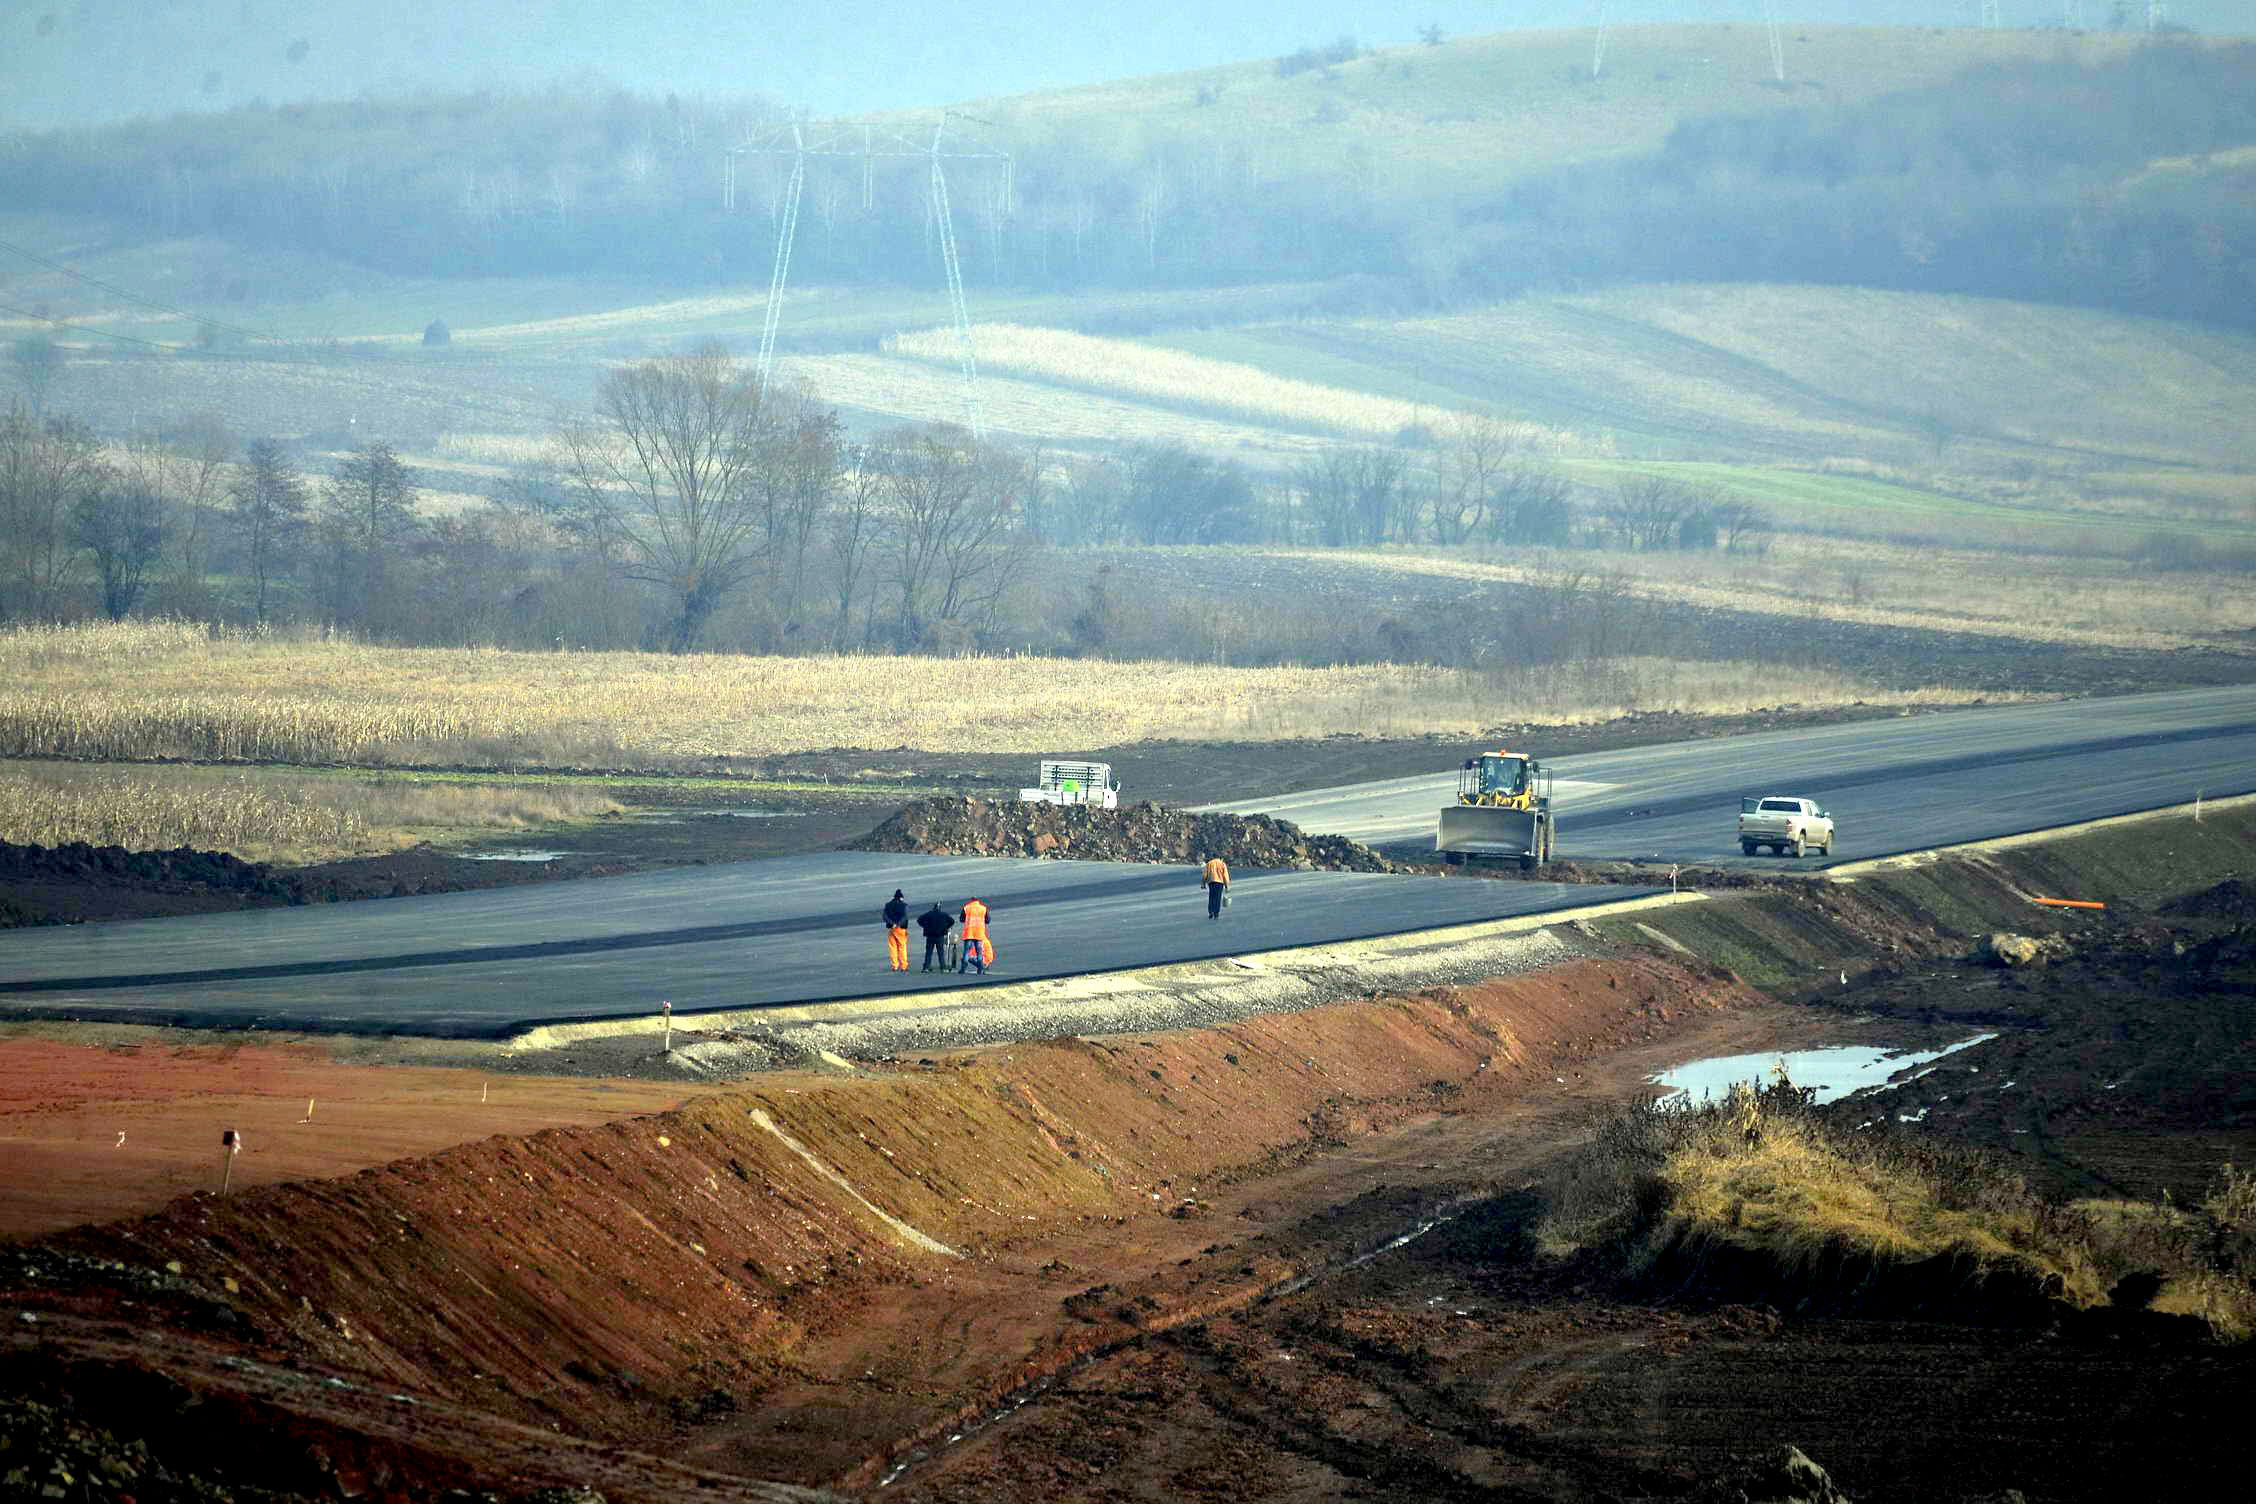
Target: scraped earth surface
<point>119,1121</point>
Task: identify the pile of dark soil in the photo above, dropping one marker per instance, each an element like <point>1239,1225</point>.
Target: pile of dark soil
<point>78,883</point>
<point>1138,833</point>
<point>2231,899</point>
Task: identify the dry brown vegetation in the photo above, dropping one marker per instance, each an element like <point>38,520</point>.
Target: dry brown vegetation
<point>263,815</point>
<point>140,691</point>
<point>1763,1173</point>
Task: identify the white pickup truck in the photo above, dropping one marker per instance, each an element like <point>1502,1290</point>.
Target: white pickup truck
<point>1784,825</point>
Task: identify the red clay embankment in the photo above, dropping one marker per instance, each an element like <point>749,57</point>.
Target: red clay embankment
<point>657,1275</point>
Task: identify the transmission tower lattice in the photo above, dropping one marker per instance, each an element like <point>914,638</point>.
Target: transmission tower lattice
<point>1777,42</point>
<point>1598,44</point>
<point>869,144</point>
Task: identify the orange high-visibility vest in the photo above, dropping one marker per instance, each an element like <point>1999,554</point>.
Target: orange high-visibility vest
<point>975,920</point>
<point>1217,871</point>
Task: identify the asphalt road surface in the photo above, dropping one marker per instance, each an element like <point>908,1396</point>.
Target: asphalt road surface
<point>806,930</point>
<point>740,935</point>
<point>1891,786</point>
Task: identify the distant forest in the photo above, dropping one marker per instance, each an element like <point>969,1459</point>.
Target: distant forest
<point>2030,180</point>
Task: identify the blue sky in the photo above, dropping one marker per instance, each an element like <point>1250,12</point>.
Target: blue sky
<point>76,61</point>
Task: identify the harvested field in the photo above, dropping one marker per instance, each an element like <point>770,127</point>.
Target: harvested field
<point>146,691</point>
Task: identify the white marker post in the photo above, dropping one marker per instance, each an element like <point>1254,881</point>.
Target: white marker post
<point>309,1111</point>
<point>667,1011</point>
<point>230,1145</point>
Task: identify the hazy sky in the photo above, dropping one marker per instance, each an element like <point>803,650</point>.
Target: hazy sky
<point>73,61</point>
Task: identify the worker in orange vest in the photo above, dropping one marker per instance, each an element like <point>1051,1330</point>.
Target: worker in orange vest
<point>1217,886</point>
<point>975,948</point>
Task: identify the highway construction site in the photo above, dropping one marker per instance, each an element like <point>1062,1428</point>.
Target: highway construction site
<point>1259,1231</point>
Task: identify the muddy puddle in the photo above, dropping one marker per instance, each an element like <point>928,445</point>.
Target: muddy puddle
<point>515,855</point>
<point>1832,1072</point>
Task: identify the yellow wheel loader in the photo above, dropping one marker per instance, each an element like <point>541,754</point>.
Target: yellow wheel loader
<point>1502,813</point>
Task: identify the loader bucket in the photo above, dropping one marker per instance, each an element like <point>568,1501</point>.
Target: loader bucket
<point>1484,831</point>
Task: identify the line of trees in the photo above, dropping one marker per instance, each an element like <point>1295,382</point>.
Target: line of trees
<point>693,511</point>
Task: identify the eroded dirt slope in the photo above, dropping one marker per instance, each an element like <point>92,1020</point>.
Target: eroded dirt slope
<point>752,1279</point>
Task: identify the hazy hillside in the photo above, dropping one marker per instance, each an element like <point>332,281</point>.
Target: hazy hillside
<point>2095,170</point>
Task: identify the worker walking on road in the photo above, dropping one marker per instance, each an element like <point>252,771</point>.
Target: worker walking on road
<point>1217,886</point>
<point>935,925</point>
<point>897,930</point>
<point>975,951</point>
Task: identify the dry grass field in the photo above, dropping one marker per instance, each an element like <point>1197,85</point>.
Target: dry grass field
<point>148,691</point>
<point>1140,372</point>
<point>266,815</point>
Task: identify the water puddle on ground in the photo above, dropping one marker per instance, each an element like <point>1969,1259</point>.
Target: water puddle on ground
<point>1833,1072</point>
<point>512,856</point>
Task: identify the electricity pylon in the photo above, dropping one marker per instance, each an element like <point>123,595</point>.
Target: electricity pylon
<point>869,144</point>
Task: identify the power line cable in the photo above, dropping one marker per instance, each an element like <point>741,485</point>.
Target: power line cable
<point>131,339</point>
<point>116,291</point>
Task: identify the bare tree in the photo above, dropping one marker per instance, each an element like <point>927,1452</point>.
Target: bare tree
<point>956,503</point>
<point>368,514</point>
<point>120,520</point>
<point>36,361</point>
<point>854,521</point>
<point>1529,504</point>
<point>1743,526</point>
<point>269,512</point>
<point>668,476</point>
<point>45,471</point>
<point>188,466</point>
<point>1474,449</point>
<point>795,482</point>
<point>1357,496</point>
<point>1649,511</point>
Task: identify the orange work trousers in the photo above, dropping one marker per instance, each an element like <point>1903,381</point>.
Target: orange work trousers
<point>897,945</point>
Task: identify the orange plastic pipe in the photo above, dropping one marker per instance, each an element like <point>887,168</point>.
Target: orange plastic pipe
<point>2069,903</point>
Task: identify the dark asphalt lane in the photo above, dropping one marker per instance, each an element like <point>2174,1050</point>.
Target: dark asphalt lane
<point>743,935</point>
<point>1892,786</point>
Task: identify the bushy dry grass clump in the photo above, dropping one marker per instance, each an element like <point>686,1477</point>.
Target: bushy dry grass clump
<point>1762,1173</point>
<point>149,691</point>
<point>263,815</point>
<point>2197,1261</point>
<point>1765,1175</point>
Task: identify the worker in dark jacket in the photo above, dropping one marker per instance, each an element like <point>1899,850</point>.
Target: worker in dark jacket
<point>897,930</point>
<point>935,925</point>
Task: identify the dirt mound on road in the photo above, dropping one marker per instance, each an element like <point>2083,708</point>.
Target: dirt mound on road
<point>78,883</point>
<point>1138,833</point>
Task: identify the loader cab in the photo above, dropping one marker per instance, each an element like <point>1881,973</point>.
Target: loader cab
<point>1498,778</point>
